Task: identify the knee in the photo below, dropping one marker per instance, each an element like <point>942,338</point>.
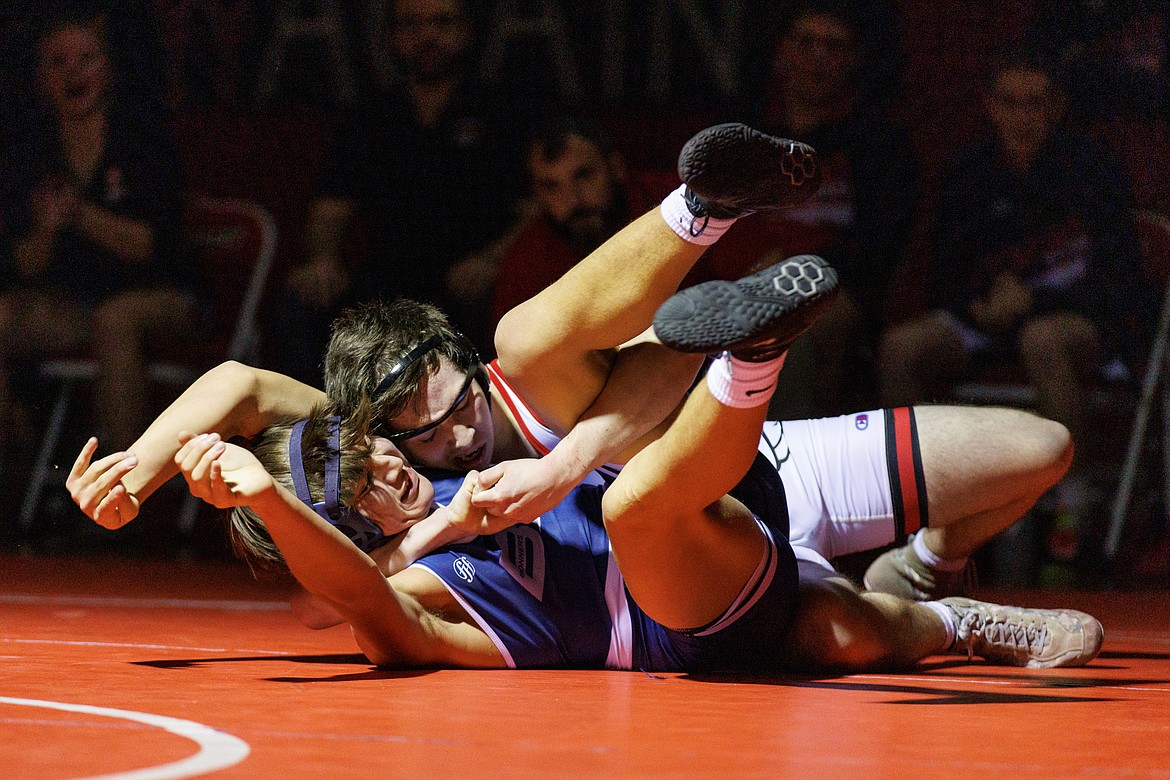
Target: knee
<point>900,344</point>
<point>1056,447</point>
<point>835,629</point>
<point>519,340</point>
<point>620,504</point>
<point>1049,443</point>
<point>913,342</point>
<point>114,320</point>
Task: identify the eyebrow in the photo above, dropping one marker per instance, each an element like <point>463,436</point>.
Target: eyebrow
<point>464,392</point>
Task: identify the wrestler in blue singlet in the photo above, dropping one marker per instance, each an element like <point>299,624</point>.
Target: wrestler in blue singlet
<point>549,594</point>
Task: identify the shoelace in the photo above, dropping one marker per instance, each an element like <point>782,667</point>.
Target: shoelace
<point>1030,636</point>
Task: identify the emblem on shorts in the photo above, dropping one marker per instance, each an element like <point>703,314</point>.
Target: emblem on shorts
<point>861,421</point>
<point>464,569</point>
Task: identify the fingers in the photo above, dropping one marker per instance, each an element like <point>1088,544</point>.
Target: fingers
<point>490,476</point>
<point>96,487</point>
<point>196,458</point>
<point>499,499</point>
<point>82,462</point>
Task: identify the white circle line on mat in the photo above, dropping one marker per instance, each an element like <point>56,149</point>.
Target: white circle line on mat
<point>217,749</point>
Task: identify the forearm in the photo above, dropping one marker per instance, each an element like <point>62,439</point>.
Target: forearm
<point>232,400</point>
<point>389,627</point>
<point>420,539</point>
<point>425,536</point>
<point>319,556</point>
<point>129,238</point>
<point>647,384</point>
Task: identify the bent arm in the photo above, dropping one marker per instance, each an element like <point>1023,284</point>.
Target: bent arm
<point>647,384</point>
<point>129,238</point>
<point>390,626</point>
<point>232,400</point>
<point>645,388</point>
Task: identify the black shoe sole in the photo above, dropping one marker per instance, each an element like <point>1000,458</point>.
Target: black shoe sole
<point>736,169</point>
<point>765,312</point>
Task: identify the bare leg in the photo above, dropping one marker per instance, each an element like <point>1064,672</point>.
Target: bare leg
<point>1058,352</point>
<point>837,628</point>
<point>33,324</point>
<point>984,467</point>
<point>685,549</point>
<point>557,348</point>
<point>918,361</point>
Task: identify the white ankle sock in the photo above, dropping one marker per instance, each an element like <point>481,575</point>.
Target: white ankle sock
<point>742,384</point>
<point>948,619</point>
<point>688,227</point>
<point>933,561</point>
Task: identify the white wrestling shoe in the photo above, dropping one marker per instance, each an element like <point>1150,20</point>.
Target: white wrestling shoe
<point>1033,638</point>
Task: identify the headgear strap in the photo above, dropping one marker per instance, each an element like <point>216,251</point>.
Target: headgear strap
<point>359,529</point>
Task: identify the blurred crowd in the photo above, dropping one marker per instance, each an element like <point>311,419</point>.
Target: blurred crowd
<point>994,173</point>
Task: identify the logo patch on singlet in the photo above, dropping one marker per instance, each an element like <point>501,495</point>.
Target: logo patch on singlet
<point>522,554</point>
<point>861,421</point>
<point>464,568</point>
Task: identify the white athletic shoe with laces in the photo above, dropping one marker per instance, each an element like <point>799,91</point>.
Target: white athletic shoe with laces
<point>1033,638</point>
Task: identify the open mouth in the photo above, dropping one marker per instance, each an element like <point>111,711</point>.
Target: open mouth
<point>410,490</point>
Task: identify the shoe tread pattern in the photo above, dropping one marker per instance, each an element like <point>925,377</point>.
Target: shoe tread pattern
<point>784,298</point>
<point>737,169</point>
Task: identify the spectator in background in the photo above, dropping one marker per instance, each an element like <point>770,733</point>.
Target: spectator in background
<point>816,91</point>
<point>1035,258</point>
<point>1115,55</point>
<point>92,227</point>
<point>1119,58</point>
<point>426,167</point>
<point>581,194</point>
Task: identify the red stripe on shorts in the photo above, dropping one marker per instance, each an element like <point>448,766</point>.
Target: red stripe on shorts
<point>908,474</point>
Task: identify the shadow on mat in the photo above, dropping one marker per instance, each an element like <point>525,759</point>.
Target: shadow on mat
<point>356,659</point>
<point>937,694</point>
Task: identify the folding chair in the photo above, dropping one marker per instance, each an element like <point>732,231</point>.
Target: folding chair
<point>1155,234</point>
<point>235,241</point>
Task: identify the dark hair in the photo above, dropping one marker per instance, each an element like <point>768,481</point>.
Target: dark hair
<point>70,14</point>
<point>1022,57</point>
<point>847,12</point>
<point>371,339</point>
<point>552,134</point>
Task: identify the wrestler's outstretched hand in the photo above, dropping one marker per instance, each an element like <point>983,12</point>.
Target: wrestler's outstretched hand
<point>522,490</point>
<point>96,487</point>
<point>222,474</point>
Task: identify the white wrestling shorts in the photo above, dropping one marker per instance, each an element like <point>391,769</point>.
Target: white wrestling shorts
<point>852,483</point>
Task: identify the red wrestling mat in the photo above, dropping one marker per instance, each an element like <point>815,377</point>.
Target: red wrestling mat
<point>168,670</point>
